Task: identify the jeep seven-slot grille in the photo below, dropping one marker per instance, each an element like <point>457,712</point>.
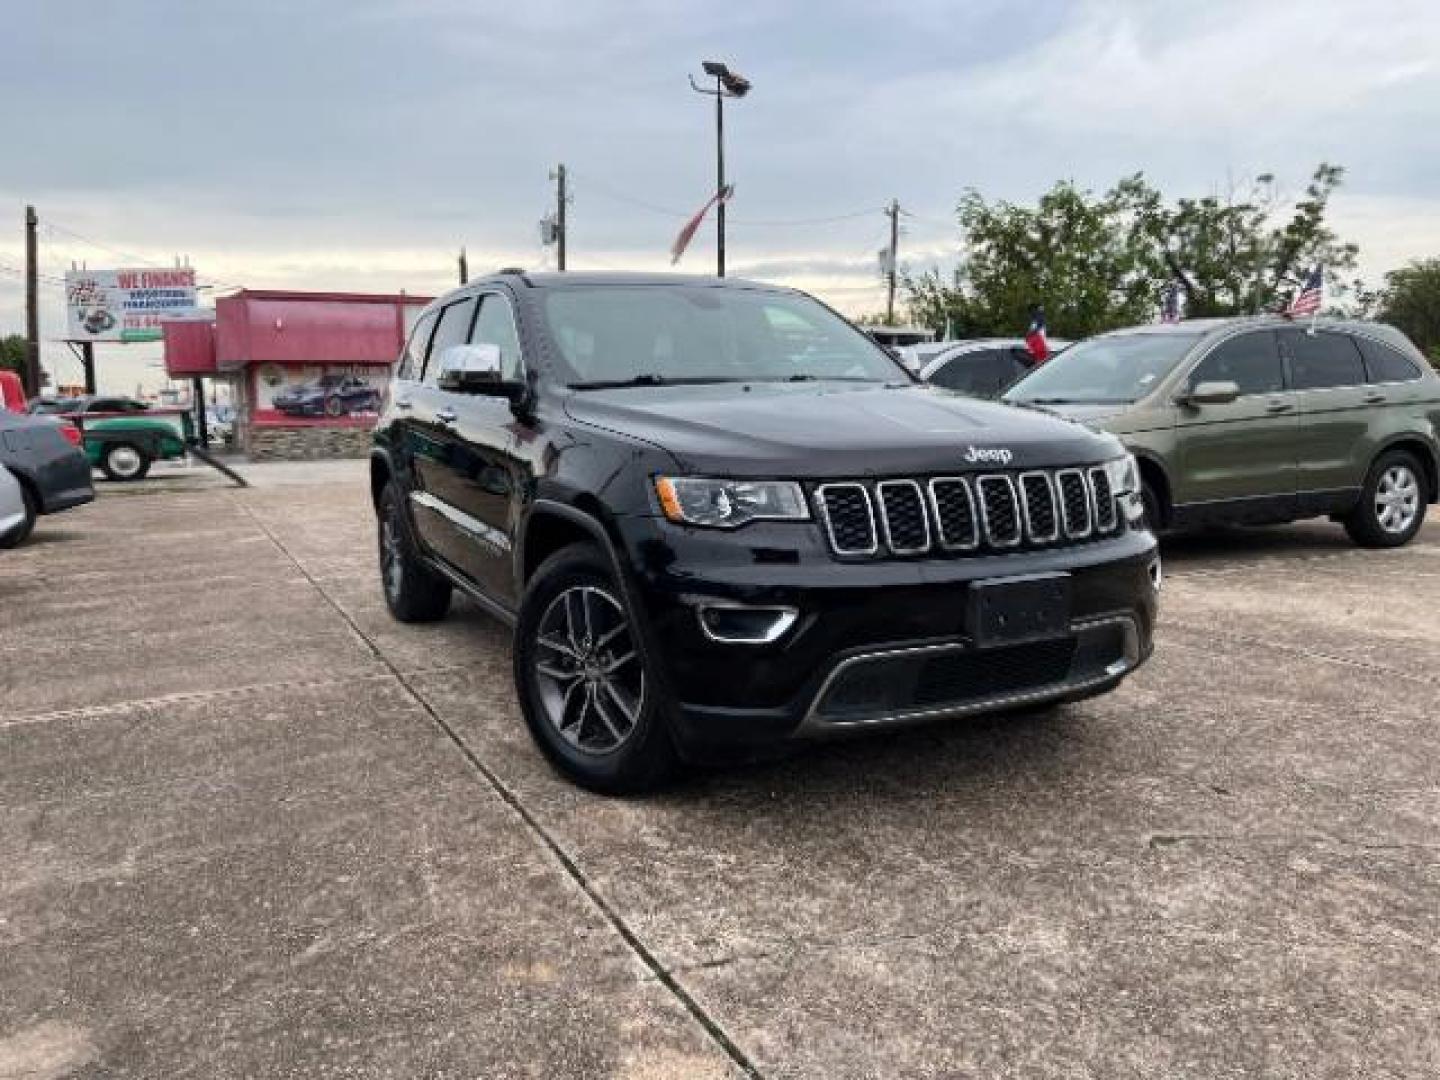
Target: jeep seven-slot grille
<point>956,514</point>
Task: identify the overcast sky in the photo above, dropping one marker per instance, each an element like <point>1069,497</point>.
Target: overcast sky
<point>356,144</point>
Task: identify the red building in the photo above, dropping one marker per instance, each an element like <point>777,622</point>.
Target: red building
<point>309,369</point>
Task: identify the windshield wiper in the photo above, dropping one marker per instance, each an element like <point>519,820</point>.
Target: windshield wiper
<point>649,378</point>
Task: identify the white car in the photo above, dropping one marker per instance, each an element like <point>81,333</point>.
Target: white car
<point>13,511</point>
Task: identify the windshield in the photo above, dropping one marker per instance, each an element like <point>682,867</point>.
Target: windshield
<point>618,335</point>
<point>1115,368</point>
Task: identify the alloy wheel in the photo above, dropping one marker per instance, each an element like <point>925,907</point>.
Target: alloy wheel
<point>1397,499</point>
<point>587,666</point>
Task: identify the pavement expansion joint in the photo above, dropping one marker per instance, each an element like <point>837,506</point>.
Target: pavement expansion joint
<point>546,840</point>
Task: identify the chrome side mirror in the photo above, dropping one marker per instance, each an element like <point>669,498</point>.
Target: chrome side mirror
<point>471,369</point>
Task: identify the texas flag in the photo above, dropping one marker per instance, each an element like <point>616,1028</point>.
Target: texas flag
<point>1035,339</point>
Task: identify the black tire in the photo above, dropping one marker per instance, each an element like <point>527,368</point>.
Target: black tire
<point>591,753</point>
<point>414,593</point>
<point>124,462</point>
<point>18,535</point>
<point>1368,524</point>
<point>1154,512</point>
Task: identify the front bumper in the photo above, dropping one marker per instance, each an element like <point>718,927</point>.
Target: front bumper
<point>872,644</point>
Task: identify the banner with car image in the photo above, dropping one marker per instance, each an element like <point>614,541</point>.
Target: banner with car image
<point>331,393</point>
<point>127,305</point>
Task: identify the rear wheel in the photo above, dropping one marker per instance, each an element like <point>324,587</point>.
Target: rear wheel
<point>589,698</point>
<point>334,407</point>
<point>414,593</point>
<point>1392,503</point>
<point>18,535</point>
<point>125,461</point>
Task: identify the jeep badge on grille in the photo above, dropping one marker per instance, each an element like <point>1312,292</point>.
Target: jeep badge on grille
<point>988,455</point>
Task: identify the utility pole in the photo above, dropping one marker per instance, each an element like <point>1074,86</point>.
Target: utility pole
<point>560,217</point>
<point>890,263</point>
<point>32,305</point>
<point>464,268</point>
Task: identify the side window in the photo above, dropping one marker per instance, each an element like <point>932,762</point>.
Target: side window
<point>1385,364</point>
<point>453,329</point>
<point>496,326</point>
<point>1250,361</point>
<point>1323,359</point>
<point>968,373</point>
<point>412,360</point>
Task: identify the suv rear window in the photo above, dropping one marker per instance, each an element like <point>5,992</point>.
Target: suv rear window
<point>1323,359</point>
<point>1386,364</point>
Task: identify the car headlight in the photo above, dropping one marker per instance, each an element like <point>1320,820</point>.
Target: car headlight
<point>727,504</point>
<point>1124,475</point>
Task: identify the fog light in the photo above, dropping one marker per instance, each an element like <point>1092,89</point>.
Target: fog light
<point>737,625</point>
<point>1157,576</point>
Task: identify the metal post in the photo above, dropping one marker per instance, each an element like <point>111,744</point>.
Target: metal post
<point>87,365</point>
<point>32,305</point>
<point>197,395</point>
<point>720,178</point>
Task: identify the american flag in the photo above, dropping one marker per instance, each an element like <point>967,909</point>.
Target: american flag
<point>1307,300</point>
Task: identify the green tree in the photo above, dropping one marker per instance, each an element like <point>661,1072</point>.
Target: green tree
<point>1098,262</point>
<point>1084,258</point>
<point>1243,256</point>
<point>12,353</point>
<point>1410,301</point>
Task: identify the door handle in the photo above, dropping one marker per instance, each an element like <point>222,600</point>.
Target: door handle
<point>1277,406</point>
<point>1374,398</point>
<point>403,403</point>
<point>445,416</point>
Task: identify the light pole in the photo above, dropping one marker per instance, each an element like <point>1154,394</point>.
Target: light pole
<point>728,84</point>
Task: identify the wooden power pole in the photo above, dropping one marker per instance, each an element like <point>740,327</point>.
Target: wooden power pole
<point>560,217</point>
<point>464,268</point>
<point>893,211</point>
<point>32,305</point>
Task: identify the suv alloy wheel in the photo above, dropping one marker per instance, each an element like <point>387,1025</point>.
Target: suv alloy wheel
<point>1392,502</point>
<point>582,676</point>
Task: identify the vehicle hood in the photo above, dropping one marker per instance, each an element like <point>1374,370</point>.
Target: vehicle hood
<point>1094,415</point>
<point>835,429</point>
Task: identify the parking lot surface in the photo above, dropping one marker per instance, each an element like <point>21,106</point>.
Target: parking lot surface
<point>249,826</point>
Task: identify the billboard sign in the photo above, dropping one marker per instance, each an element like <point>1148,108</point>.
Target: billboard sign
<point>126,305</point>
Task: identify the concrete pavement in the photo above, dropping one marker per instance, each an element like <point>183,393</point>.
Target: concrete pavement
<point>251,826</point>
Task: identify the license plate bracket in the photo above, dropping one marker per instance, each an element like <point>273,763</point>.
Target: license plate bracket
<point>1003,611</point>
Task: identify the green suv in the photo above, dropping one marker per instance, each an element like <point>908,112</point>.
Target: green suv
<point>1261,420</point>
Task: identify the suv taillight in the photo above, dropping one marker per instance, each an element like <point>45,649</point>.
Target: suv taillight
<point>71,433</point>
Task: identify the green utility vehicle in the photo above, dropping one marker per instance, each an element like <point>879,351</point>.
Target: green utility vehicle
<point>1261,420</point>
<point>123,438</point>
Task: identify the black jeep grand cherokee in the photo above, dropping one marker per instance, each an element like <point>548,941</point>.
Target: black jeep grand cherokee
<point>718,515</point>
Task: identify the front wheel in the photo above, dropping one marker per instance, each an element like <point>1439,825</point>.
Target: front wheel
<point>124,461</point>
<point>585,685</point>
<point>1392,503</point>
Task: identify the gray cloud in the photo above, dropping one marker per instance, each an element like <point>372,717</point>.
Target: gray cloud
<point>358,144</point>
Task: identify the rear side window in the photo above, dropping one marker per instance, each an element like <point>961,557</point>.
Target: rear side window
<point>412,361</point>
<point>1323,359</point>
<point>1250,361</point>
<point>1385,364</point>
<point>453,329</point>
<point>496,326</point>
